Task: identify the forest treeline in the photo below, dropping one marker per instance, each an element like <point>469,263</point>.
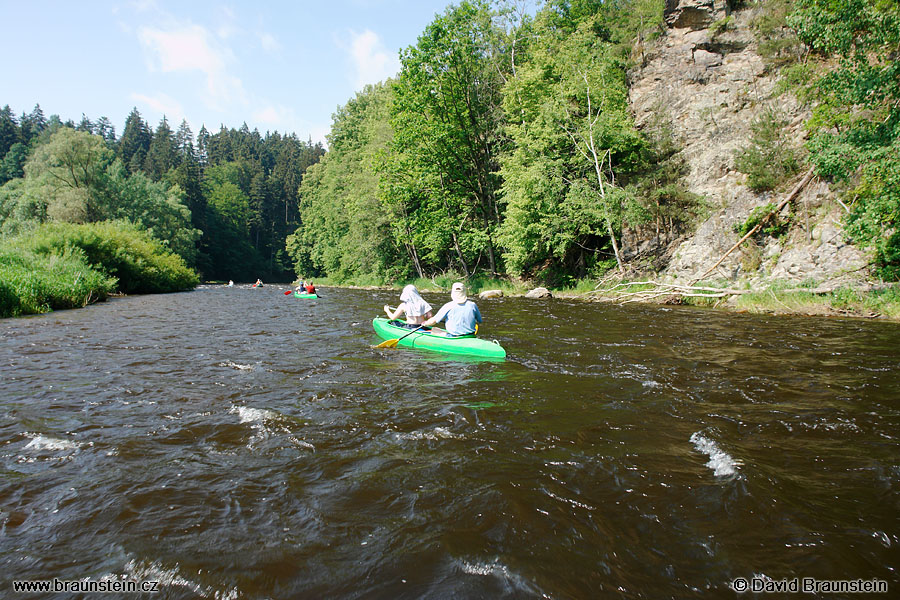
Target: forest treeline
<point>504,146</point>
<point>224,202</point>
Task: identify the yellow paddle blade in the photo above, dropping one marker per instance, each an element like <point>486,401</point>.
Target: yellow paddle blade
<point>388,344</point>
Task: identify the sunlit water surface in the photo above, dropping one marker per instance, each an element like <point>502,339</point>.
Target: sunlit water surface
<point>237,443</point>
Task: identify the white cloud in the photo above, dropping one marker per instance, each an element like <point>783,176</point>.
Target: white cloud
<point>163,104</point>
<point>191,48</point>
<point>275,116</point>
<point>372,62</point>
<point>269,42</point>
<point>228,27</point>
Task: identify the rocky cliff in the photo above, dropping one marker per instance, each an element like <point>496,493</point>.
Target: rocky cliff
<point>711,84</point>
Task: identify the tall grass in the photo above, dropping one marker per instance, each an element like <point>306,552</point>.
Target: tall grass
<point>32,284</point>
<point>65,265</point>
<point>117,249</point>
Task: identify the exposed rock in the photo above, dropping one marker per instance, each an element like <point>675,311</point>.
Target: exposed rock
<point>491,294</point>
<point>540,292</point>
<point>693,14</point>
<point>708,90</point>
<point>826,257</point>
<point>707,59</point>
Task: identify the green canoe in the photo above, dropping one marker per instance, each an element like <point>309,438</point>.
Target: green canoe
<point>437,341</point>
<point>296,295</point>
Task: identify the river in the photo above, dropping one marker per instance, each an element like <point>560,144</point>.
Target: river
<point>235,443</point>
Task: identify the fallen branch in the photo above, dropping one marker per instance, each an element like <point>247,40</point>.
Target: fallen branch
<point>791,196</point>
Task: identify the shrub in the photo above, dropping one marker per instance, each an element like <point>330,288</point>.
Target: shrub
<point>769,161</point>
<point>772,222</point>
<point>116,249</point>
<point>31,283</point>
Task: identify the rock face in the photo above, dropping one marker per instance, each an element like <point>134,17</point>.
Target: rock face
<point>710,85</point>
<point>540,292</point>
<point>694,14</point>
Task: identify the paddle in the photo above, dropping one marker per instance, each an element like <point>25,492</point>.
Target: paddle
<point>288,293</point>
<point>393,343</point>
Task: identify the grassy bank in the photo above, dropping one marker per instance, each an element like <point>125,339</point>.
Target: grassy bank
<point>779,298</point>
<point>880,301</point>
<point>883,303</point>
<point>63,265</point>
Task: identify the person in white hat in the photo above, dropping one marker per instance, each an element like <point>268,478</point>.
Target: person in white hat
<point>461,314</point>
<point>412,305</point>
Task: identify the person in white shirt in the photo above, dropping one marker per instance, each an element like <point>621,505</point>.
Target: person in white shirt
<point>462,315</point>
<point>412,305</point>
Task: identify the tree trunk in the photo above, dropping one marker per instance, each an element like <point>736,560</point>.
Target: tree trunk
<point>459,254</point>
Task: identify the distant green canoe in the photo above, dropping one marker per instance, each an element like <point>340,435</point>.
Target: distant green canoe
<point>296,295</point>
<point>436,340</point>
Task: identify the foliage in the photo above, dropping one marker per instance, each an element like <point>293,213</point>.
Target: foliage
<point>777,42</point>
<point>344,231</point>
<point>35,283</point>
<point>568,116</point>
<point>58,172</point>
<point>769,161</point>
<point>771,222</point>
<point>118,250</point>
<point>441,176</point>
<point>855,129</point>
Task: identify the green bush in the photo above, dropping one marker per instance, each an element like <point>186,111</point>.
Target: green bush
<point>116,249</point>
<point>32,284</point>
<point>769,161</point>
<point>772,222</point>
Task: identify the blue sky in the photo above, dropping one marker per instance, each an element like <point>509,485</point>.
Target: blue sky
<point>279,65</point>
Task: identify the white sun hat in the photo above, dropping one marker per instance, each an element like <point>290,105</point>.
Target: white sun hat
<point>458,293</point>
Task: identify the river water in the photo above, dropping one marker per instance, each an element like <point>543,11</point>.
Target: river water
<point>237,443</point>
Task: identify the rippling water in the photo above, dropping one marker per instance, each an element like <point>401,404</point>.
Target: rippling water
<point>236,443</point>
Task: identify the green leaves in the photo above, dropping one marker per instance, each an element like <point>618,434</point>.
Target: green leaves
<point>856,127</point>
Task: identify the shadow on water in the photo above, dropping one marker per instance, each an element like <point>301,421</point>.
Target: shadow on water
<point>238,443</point>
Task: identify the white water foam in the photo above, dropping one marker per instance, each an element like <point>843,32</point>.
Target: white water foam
<point>438,433</point>
<point>500,571</point>
<point>252,415</point>
<point>172,578</point>
<point>41,442</point>
<point>235,365</point>
<point>722,464</point>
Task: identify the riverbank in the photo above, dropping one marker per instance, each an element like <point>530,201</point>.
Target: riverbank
<point>873,301</point>
<point>63,265</point>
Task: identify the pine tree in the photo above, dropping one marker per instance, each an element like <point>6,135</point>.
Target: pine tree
<point>85,124</point>
<point>203,147</point>
<point>105,129</point>
<point>184,142</point>
<point>9,130</point>
<point>162,155</point>
<point>135,142</point>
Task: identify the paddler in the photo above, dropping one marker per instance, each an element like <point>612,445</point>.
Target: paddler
<point>462,315</point>
<point>412,305</point>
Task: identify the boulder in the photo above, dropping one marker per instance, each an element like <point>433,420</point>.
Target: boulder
<point>491,294</point>
<point>540,292</point>
<point>690,14</point>
<point>707,59</point>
